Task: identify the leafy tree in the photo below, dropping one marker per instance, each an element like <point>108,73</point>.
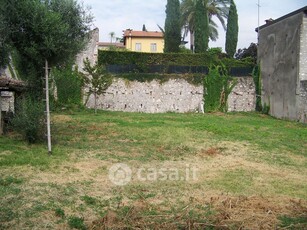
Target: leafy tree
<point>232,30</point>
<point>97,80</point>
<point>144,28</point>
<point>250,52</point>
<point>39,30</point>
<point>172,35</point>
<point>215,8</point>
<point>4,43</point>
<point>201,27</point>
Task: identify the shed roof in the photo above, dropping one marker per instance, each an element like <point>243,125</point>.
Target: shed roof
<point>10,84</point>
<point>301,10</point>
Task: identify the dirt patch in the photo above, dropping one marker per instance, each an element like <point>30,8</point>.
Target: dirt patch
<point>212,151</point>
<point>219,212</point>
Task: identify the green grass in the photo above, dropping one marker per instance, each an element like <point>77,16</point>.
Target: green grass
<point>254,155</point>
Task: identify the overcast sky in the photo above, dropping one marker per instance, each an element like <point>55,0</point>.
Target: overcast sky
<point>118,15</point>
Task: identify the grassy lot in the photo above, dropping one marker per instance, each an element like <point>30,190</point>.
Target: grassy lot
<point>188,171</point>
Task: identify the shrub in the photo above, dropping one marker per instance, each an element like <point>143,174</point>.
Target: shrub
<point>29,120</point>
<point>68,86</point>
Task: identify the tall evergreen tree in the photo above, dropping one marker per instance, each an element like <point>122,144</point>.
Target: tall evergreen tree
<point>232,30</point>
<point>172,28</point>
<point>201,27</point>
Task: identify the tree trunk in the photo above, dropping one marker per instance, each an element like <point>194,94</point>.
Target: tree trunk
<point>95,100</point>
<point>192,41</point>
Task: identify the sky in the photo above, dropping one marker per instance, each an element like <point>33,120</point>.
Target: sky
<point>118,15</point>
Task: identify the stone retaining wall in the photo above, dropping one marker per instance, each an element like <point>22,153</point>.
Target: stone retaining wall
<point>175,95</point>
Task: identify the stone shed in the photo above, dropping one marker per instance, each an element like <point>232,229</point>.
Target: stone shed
<point>10,91</point>
<point>282,55</point>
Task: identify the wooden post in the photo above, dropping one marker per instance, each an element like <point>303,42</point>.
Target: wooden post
<point>47,107</point>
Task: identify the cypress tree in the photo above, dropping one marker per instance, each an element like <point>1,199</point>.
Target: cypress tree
<point>201,27</point>
<point>232,30</point>
<point>172,28</point>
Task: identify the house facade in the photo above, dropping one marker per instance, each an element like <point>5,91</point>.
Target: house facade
<point>282,55</point>
<point>144,41</point>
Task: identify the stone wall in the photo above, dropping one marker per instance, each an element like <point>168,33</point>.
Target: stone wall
<point>7,101</point>
<point>175,95</point>
<point>243,96</point>
<point>90,51</point>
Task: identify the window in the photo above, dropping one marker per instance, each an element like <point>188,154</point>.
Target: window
<point>138,47</point>
<point>153,47</point>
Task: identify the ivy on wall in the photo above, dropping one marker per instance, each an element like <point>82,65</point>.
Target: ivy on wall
<point>217,87</point>
<point>257,80</point>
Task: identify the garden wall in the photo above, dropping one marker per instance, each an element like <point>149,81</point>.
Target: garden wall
<point>174,95</point>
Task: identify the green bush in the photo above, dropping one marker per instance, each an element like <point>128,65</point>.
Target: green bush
<point>68,86</point>
<point>29,120</point>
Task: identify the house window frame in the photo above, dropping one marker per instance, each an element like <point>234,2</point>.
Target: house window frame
<point>138,46</point>
<point>153,47</point>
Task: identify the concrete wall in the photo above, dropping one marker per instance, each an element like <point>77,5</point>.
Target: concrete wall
<point>279,52</point>
<point>175,95</point>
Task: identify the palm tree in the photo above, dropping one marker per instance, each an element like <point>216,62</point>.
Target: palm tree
<point>112,35</point>
<point>215,8</point>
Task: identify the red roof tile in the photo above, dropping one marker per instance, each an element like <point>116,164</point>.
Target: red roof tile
<point>151,34</point>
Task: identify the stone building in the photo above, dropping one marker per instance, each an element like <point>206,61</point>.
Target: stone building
<point>282,55</point>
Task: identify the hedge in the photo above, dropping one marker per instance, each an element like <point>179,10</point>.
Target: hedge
<point>177,59</point>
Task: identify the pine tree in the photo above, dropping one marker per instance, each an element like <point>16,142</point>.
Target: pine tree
<point>172,35</point>
<point>201,27</point>
<point>232,30</point>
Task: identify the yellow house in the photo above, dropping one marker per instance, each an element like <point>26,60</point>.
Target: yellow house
<point>144,41</point>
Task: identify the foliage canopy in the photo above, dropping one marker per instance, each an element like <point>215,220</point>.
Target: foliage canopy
<point>39,30</point>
